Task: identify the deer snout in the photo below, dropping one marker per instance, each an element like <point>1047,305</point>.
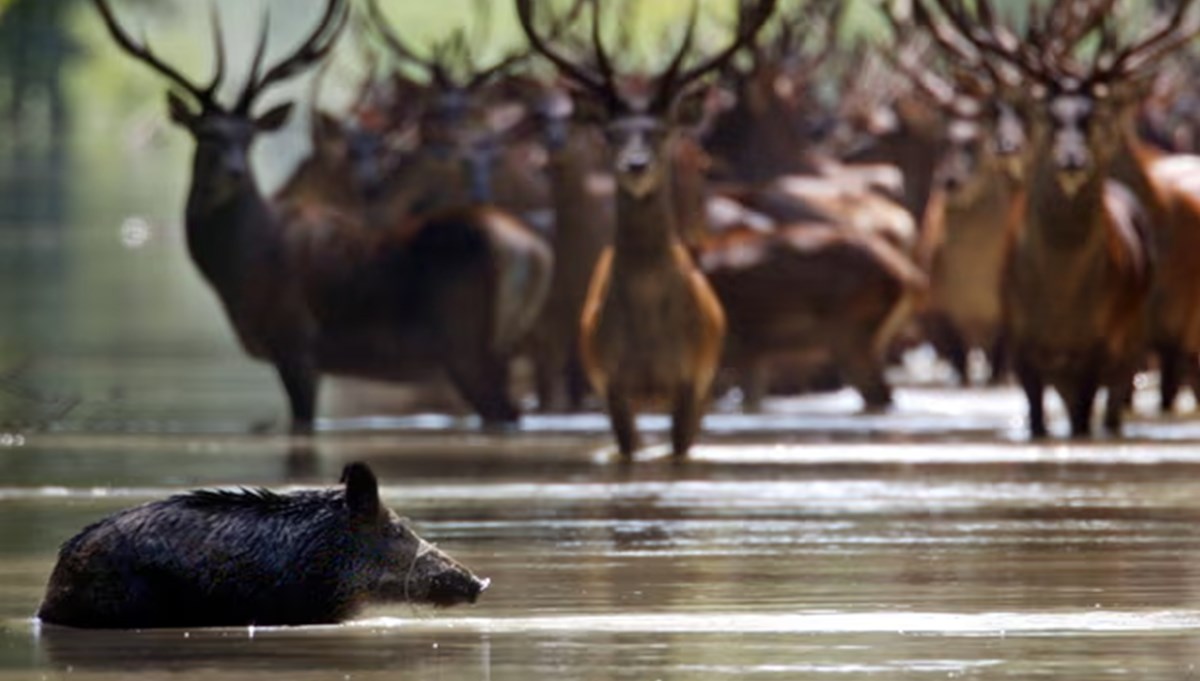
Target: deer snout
<point>1071,153</point>
<point>235,166</point>
<point>636,163</point>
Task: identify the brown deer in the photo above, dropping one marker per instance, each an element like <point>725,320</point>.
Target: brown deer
<point>1078,275</point>
<point>823,294</point>
<point>456,123</point>
<point>584,220</point>
<point>311,290</point>
<point>976,200</point>
<point>652,327</point>
<point>1163,183</point>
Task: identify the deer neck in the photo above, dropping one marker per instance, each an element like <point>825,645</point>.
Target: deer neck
<point>646,226</point>
<point>1063,221</point>
<point>1131,167</point>
<point>222,218</point>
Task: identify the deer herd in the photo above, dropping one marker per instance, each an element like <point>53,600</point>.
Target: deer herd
<point>774,210</point>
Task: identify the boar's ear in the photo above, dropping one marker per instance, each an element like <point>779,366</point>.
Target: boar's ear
<point>362,490</point>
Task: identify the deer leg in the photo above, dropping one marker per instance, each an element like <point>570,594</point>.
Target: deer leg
<point>623,425</point>
<point>300,381</point>
<point>998,360</point>
<point>479,371</point>
<point>755,378</point>
<point>1120,398</point>
<point>866,375</point>
<point>1080,401</point>
<point>949,344</point>
<point>577,383</point>
<point>1034,388</point>
<point>685,420</point>
<point>482,380</point>
<point>1171,361</point>
<point>549,379</point>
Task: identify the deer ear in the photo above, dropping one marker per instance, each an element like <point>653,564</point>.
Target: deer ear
<point>690,108</point>
<point>179,111</point>
<point>274,119</point>
<point>362,490</point>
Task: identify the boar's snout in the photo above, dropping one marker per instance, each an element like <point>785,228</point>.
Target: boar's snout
<point>447,582</point>
<point>456,586</point>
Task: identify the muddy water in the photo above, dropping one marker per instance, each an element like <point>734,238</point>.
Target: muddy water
<point>954,551</point>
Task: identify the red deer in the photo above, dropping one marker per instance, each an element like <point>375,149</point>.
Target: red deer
<point>652,327</point>
<point>797,297</point>
<point>1078,276</point>
<point>311,290</point>
<point>815,291</point>
<point>766,137</point>
<point>1176,299</point>
<point>458,132</point>
<point>584,219</point>
<point>964,237</point>
<point>975,201</point>
<point>1163,183</point>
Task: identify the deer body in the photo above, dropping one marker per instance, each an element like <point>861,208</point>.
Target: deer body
<point>804,290</point>
<point>1075,299</point>
<point>1079,273</point>
<point>583,229</point>
<point>1173,205</point>
<point>311,290</point>
<point>652,326</point>
<point>963,243</point>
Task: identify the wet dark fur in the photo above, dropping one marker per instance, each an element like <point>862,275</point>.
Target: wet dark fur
<point>230,558</point>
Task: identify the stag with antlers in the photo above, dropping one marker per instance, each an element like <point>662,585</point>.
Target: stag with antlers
<point>313,292</point>
<point>652,327</point>
<point>1078,273</point>
<point>977,191</point>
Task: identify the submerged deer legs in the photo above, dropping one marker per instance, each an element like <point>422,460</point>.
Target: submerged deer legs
<point>620,415</point>
<point>299,376</point>
<point>685,419</point>
<point>1034,387</point>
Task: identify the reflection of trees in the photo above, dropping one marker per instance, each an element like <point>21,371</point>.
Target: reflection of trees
<point>35,49</point>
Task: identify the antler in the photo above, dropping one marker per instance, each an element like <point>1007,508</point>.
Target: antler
<point>433,67</point>
<point>206,96</point>
<point>672,82</point>
<point>314,49</point>
<point>988,36</point>
<point>602,84</point>
<point>1168,37</point>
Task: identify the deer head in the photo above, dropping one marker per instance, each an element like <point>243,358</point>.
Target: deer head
<point>1073,107</point>
<point>982,129</point>
<point>224,134</point>
<point>641,118</point>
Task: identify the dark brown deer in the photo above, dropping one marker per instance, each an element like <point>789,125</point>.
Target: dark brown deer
<point>584,219</point>
<point>652,327</point>
<point>1078,275</point>
<point>312,291</point>
<point>456,123</point>
<point>825,295</point>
